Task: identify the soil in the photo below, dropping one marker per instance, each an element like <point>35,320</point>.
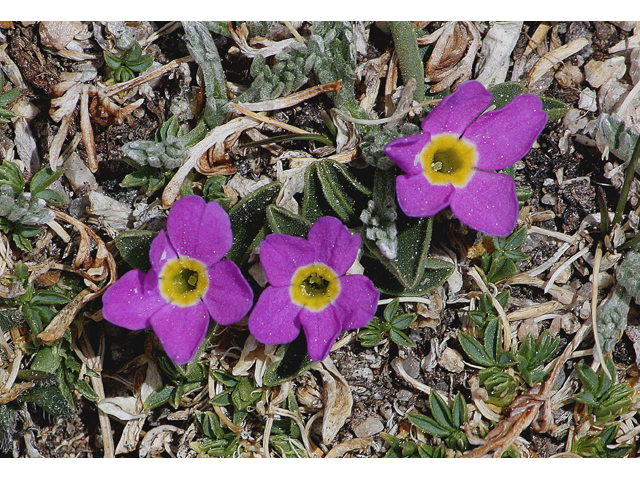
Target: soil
<point>378,391</point>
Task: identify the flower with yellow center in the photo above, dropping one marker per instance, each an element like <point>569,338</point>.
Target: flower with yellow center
<point>454,162</point>
<point>314,286</point>
<point>188,283</point>
<point>309,289</point>
<point>447,159</point>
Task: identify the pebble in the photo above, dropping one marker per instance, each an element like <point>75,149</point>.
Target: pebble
<point>58,34</point>
<point>368,427</point>
<point>588,100</point>
<point>598,73</point>
<point>411,365</point>
<point>569,76</point>
<point>451,360</point>
<point>611,93</point>
<point>404,395</point>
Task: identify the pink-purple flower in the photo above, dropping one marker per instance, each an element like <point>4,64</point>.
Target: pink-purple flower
<point>454,161</point>
<point>309,289</point>
<point>188,282</point>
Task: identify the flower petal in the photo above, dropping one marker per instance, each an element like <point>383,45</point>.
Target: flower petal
<point>129,303</point>
<point>334,244</point>
<point>403,152</point>
<point>357,302</point>
<point>199,230</point>
<point>281,255</point>
<point>504,136</point>
<point>274,319</point>
<point>181,330</point>
<point>321,329</point>
<point>229,297</point>
<point>161,251</point>
<point>456,111</point>
<point>418,198</point>
<point>488,203</point>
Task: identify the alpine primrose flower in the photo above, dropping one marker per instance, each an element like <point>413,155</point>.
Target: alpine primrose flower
<point>188,281</point>
<point>309,288</point>
<point>453,162</point>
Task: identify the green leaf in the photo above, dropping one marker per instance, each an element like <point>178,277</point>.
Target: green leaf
<point>440,411</point>
<point>475,350</point>
<point>134,246</point>
<point>51,197</point>
<point>160,397</point>
<point>43,179</point>
<point>248,219</point>
<point>224,377</point>
<point>11,174</point>
<point>49,298</point>
<point>81,386</point>
<point>503,93</point>
<point>555,108</point>
<point>9,97</point>
<point>344,193</point>
<point>222,399</point>
<point>459,411</point>
<point>32,317</point>
<point>428,425</point>
<point>588,377</point>
<point>294,362</point>
<point>283,221</point>
<point>413,271</point>
<point>112,61</point>
<point>391,310</point>
<point>493,339</point>
<point>404,321</point>
<point>47,359</point>
<point>400,338</point>
<point>369,338</point>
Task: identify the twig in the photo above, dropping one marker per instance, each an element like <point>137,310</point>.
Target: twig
<point>265,119</point>
<point>506,342</point>
<point>110,91</point>
<point>594,305</point>
<point>293,99</point>
<point>564,266</point>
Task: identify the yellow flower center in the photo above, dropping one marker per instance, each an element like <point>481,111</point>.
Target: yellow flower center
<point>183,281</point>
<point>314,286</point>
<point>447,159</point>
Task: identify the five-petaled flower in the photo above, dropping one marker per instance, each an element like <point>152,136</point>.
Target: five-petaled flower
<point>188,281</point>
<point>453,162</point>
<point>309,288</point>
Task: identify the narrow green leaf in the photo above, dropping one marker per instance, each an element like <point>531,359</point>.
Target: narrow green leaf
<point>475,350</point>
<point>283,221</point>
<point>400,338</point>
<point>159,397</point>
<point>459,411</point>
<point>428,425</point>
<point>134,247</point>
<point>493,339</point>
<point>440,411</point>
<point>43,179</point>
<point>248,218</point>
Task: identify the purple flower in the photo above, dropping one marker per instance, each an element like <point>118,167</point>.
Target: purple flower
<point>451,162</point>
<point>188,281</point>
<point>309,288</point>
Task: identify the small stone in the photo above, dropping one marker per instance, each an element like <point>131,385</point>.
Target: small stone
<point>404,395</point>
<point>588,100</point>
<point>368,427</point>
<point>634,67</point>
<point>526,328</point>
<point>411,365</point>
<point>611,93</point>
<point>597,73</point>
<point>58,34</point>
<point>569,76</point>
<point>451,360</point>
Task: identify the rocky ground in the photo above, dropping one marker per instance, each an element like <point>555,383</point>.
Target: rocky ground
<point>73,112</point>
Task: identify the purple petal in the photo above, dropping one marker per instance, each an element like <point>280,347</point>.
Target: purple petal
<point>181,330</point>
<point>229,297</point>
<point>456,111</point>
<point>334,245</point>
<point>274,319</point>
<point>321,329</point>
<point>357,302</point>
<point>418,198</point>
<point>161,251</point>
<point>199,230</point>
<point>403,152</point>
<point>281,255</point>
<point>504,136</point>
<point>129,302</point>
<point>487,204</point>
